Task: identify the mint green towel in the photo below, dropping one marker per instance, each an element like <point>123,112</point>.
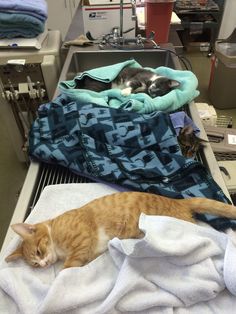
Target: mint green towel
<point>140,102</point>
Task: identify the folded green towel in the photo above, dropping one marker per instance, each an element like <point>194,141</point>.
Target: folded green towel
<point>140,102</point>
<point>104,74</point>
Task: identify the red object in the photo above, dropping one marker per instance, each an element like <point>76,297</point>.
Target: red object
<point>213,65</point>
<point>158,17</point>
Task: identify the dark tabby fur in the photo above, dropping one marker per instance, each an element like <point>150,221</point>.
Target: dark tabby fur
<point>189,142</point>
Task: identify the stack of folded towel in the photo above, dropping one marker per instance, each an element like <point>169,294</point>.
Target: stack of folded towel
<point>22,18</point>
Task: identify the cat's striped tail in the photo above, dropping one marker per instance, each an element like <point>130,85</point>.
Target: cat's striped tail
<point>208,206</point>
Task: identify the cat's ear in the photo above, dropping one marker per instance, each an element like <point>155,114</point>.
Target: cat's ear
<point>187,129</point>
<point>14,255</point>
<point>24,230</point>
<point>174,83</point>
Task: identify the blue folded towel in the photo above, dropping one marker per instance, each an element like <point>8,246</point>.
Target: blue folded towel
<point>180,119</point>
<point>37,8</point>
<point>20,25</point>
<point>140,102</point>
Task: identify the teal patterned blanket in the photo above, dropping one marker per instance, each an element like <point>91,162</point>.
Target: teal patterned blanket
<point>136,151</point>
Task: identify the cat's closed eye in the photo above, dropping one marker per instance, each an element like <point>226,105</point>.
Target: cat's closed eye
<point>35,264</point>
<point>38,252</point>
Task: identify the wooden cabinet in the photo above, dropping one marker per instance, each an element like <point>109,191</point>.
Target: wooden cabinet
<point>60,14</point>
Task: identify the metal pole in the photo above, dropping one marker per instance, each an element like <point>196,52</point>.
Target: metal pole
<point>121,17</point>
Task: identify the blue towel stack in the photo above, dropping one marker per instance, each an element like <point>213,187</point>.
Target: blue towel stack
<point>22,18</point>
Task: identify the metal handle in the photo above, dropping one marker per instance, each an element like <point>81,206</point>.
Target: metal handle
<point>134,15</point>
<point>121,17</point>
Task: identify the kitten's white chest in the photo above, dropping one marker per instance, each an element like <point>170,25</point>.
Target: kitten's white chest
<point>60,253</point>
<point>103,239</point>
<point>118,86</point>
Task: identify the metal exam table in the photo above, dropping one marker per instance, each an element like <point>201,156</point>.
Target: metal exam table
<point>79,59</point>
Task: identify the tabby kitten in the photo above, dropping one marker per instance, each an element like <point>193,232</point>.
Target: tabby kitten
<point>133,80</point>
<point>78,236</point>
<point>189,142</point>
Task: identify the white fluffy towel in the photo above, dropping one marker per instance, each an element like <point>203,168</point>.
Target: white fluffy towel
<point>178,267</point>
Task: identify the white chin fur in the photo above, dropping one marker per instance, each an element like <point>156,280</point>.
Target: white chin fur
<point>48,260</point>
<point>43,263</point>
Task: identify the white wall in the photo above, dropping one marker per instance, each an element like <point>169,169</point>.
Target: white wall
<point>229,19</point>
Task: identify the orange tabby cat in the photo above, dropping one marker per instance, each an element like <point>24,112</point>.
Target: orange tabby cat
<point>78,236</point>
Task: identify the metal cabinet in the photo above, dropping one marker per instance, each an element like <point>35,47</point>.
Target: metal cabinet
<point>60,14</point>
<point>200,22</point>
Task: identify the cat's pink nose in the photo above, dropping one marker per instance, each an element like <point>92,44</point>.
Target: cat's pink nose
<point>43,263</point>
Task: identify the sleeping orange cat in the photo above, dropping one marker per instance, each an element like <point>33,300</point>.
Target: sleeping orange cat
<point>78,236</point>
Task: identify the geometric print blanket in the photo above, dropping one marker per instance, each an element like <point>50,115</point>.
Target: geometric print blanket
<point>132,150</point>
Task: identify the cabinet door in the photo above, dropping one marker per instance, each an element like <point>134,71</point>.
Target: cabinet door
<point>59,15</point>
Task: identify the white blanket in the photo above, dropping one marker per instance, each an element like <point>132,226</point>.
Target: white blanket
<point>178,267</point>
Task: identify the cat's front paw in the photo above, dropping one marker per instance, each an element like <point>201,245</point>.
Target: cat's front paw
<point>126,91</point>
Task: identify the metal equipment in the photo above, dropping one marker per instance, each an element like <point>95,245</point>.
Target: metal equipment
<point>222,140</point>
<point>28,78</point>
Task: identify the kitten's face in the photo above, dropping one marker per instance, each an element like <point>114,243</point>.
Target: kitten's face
<point>36,248</point>
<point>160,86</point>
<point>38,253</point>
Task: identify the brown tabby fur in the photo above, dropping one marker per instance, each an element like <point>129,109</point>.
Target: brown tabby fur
<point>78,236</point>
<point>189,142</point>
